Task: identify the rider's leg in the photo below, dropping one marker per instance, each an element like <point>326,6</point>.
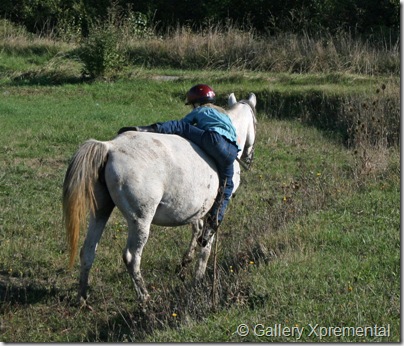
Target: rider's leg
<point>183,129</point>
<point>224,154</point>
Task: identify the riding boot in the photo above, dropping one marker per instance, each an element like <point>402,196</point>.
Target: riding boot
<point>209,229</point>
<point>149,128</point>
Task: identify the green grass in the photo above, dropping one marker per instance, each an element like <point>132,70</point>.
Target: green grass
<point>340,268</point>
<point>311,237</point>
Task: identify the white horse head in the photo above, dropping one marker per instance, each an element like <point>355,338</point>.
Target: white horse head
<point>153,179</point>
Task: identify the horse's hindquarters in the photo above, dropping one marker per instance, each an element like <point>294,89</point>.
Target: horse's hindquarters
<point>162,178</point>
<point>186,201</point>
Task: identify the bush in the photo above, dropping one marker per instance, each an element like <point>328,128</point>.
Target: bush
<point>100,53</point>
<point>104,49</point>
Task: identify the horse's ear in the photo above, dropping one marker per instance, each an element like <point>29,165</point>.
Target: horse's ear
<point>253,99</point>
<point>232,100</point>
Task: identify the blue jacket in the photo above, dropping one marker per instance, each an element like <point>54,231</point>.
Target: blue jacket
<point>210,119</point>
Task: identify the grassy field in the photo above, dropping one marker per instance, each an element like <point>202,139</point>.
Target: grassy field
<point>310,242</point>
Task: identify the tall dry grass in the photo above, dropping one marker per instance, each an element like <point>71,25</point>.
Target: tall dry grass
<point>130,41</point>
<point>228,47</point>
<point>17,41</point>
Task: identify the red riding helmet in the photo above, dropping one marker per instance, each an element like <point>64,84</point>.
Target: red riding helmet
<point>201,94</point>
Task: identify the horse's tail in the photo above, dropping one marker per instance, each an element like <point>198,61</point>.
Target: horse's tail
<point>78,189</point>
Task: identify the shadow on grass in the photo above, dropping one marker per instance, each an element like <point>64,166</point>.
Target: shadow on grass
<point>175,305</point>
<point>338,116</point>
<point>46,79</point>
<point>16,291</point>
<point>170,307</point>
<point>30,49</point>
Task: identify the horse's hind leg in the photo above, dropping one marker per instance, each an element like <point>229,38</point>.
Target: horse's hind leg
<point>104,207</point>
<point>190,254</point>
<point>137,238</point>
<point>203,259</point>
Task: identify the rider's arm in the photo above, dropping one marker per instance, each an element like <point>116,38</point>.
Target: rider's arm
<point>190,118</point>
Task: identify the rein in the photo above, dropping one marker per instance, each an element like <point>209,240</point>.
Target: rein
<point>246,166</point>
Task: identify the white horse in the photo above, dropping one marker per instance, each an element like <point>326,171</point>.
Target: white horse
<point>152,178</point>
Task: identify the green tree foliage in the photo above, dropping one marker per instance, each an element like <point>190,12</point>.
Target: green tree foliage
<point>357,16</point>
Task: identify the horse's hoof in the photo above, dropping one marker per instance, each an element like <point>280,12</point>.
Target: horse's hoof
<point>181,274</point>
<point>84,305</point>
<point>144,304</point>
<point>82,301</point>
<point>181,270</point>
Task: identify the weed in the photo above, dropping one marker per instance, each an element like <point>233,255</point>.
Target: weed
<point>373,128</point>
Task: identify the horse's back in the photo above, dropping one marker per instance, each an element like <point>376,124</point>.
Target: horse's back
<point>163,177</point>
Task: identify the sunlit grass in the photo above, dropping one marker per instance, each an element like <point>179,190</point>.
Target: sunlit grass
<point>311,237</point>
